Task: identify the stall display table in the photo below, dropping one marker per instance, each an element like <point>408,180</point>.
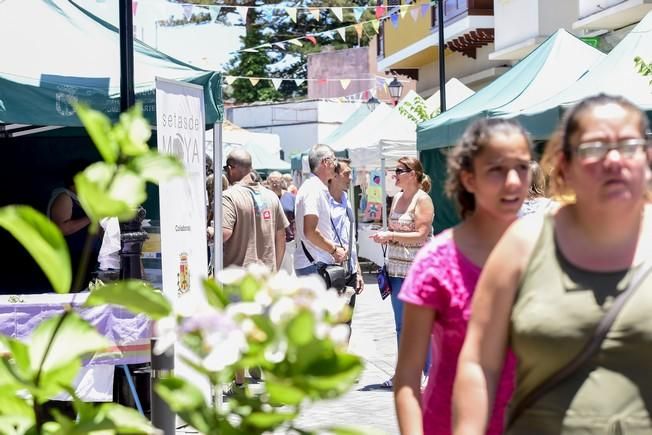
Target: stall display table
<point>128,333</point>
<point>367,248</point>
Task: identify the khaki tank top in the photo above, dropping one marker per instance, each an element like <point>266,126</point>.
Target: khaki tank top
<point>556,311</point>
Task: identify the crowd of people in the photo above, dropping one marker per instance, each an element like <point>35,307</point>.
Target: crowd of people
<point>530,315</point>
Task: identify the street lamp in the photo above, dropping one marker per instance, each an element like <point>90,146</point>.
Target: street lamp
<point>442,62</point>
<point>372,103</point>
<point>395,90</point>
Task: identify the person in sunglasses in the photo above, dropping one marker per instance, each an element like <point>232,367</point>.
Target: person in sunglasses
<point>551,280</point>
<point>410,227</point>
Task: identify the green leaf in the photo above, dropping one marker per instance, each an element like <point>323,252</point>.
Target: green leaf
<point>214,294</point>
<point>156,167</point>
<point>350,430</point>
<point>180,395</point>
<point>283,393</point>
<point>133,295</point>
<point>126,420</point>
<point>74,338</point>
<point>43,241</point>
<point>301,328</point>
<point>268,420</point>
<point>20,357</point>
<point>133,132</point>
<point>54,381</point>
<point>17,406</point>
<point>333,376</point>
<point>99,129</point>
<point>105,190</point>
<point>15,424</point>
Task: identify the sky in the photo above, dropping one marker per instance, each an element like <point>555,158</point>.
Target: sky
<point>205,45</point>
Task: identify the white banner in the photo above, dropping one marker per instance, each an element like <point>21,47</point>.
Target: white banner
<point>180,125</point>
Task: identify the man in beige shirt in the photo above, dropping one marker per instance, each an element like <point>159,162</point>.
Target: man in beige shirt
<point>253,223</point>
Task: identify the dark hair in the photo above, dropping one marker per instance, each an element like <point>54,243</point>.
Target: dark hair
<point>537,181</point>
<point>415,165</point>
<point>476,137</point>
<point>559,147</point>
<point>338,167</point>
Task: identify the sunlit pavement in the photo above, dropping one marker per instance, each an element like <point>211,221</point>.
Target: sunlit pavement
<point>366,405</point>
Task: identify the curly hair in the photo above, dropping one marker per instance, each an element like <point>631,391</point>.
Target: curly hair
<point>476,137</point>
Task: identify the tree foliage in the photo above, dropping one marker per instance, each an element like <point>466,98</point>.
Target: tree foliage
<point>270,25</point>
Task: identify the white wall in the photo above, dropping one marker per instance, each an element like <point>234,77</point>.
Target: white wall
<point>557,14</point>
<point>458,66</point>
<point>299,125</point>
<point>516,21</point>
<point>590,7</point>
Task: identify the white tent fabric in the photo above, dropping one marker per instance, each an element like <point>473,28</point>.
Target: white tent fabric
<point>395,136</point>
<point>265,148</point>
<point>365,132</point>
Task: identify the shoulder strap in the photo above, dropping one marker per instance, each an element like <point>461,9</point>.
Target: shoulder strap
<point>589,350</point>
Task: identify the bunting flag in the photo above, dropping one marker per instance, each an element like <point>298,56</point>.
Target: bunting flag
<point>292,12</point>
<point>242,10</point>
<point>404,10</point>
<point>424,8</point>
<point>265,45</point>
<point>357,12</point>
<point>299,82</point>
<point>380,11</point>
<point>315,12</point>
<point>254,81</point>
<point>214,11</point>
<point>296,42</point>
<point>394,18</point>
<point>280,45</point>
<point>376,25</point>
<point>358,28</point>
<point>312,39</point>
<point>414,12</point>
<point>249,50</point>
<point>342,33</point>
<point>345,83</point>
<point>277,83</point>
<point>230,79</point>
<point>338,13</point>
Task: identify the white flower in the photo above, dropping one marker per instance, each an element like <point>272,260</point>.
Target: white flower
<point>258,270</point>
<point>339,334</point>
<point>329,302</point>
<point>226,349</point>
<point>165,331</point>
<point>244,309</point>
<point>231,275</point>
<point>276,352</point>
<point>282,309</point>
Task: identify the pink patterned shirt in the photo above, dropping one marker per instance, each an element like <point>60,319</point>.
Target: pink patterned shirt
<point>443,279</point>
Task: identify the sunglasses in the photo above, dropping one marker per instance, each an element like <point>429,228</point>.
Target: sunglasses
<point>226,168</point>
<point>399,171</point>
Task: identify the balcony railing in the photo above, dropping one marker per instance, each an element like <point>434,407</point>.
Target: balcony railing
<point>457,9</point>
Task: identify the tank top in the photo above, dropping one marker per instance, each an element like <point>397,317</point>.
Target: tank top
<point>399,255</point>
<point>556,311</point>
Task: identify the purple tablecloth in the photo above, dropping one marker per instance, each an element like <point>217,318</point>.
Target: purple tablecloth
<point>128,333</point>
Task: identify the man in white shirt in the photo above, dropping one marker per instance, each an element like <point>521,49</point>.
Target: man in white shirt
<point>314,228</point>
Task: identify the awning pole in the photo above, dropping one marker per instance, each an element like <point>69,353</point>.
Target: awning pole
<point>127,93</point>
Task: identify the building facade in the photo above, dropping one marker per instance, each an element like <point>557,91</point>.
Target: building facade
<point>484,38</point>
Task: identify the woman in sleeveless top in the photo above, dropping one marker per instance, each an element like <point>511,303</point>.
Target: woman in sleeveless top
<point>551,279</point>
<point>410,227</point>
<point>488,178</point>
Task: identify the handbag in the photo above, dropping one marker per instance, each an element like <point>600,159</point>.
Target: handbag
<point>384,286</point>
<point>591,348</point>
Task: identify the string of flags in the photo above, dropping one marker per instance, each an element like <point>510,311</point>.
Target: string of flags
<point>416,10</point>
<point>379,81</point>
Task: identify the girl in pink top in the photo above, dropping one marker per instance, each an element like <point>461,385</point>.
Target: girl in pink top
<point>488,178</point>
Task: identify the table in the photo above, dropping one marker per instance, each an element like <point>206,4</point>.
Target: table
<point>128,333</point>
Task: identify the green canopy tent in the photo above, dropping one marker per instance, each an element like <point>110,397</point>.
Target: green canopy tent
<point>557,63</point>
<point>56,53</point>
<point>356,117</point>
<point>615,74</point>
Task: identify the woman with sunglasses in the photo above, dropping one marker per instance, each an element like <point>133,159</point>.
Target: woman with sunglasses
<point>551,279</point>
<point>410,227</point>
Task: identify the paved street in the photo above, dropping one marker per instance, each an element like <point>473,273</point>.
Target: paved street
<point>365,405</point>
<point>374,340</point>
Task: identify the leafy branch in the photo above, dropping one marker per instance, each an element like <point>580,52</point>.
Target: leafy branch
<point>644,68</point>
<point>417,110</point>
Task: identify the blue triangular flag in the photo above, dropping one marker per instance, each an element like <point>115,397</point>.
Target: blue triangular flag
<point>357,12</point>
<point>394,18</point>
<point>424,8</point>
